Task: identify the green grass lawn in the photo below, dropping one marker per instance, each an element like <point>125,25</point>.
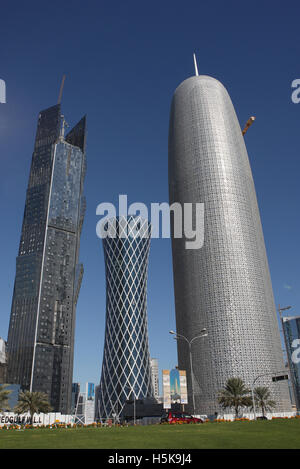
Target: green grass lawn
<point>260,434</point>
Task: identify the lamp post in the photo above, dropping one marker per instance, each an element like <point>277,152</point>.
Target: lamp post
<point>285,308</point>
<point>280,310</point>
<point>203,333</point>
<point>260,376</point>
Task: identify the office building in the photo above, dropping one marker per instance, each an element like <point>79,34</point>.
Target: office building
<point>126,371</point>
<point>75,397</point>
<point>40,342</point>
<point>224,286</point>
<point>291,331</point>
<point>3,361</point>
<point>155,376</point>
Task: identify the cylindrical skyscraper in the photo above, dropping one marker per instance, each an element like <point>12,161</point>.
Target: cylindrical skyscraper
<point>126,372</point>
<point>225,285</point>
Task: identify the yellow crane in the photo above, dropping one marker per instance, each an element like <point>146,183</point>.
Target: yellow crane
<point>248,123</point>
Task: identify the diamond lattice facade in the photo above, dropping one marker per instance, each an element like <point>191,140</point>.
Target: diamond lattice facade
<point>126,372</point>
<point>48,275</point>
<point>224,286</point>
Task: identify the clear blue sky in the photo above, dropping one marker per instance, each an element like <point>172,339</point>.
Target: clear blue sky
<point>123,61</point>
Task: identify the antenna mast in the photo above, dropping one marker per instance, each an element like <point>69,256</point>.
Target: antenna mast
<point>195,64</point>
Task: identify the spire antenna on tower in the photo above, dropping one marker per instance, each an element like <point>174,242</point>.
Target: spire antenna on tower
<point>195,64</point>
<point>61,89</point>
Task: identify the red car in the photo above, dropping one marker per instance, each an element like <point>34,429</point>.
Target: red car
<point>177,417</point>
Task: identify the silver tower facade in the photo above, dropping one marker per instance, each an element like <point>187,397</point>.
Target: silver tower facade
<point>224,286</point>
<point>126,371</point>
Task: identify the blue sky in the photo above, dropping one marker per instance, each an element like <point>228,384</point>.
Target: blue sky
<point>123,61</point>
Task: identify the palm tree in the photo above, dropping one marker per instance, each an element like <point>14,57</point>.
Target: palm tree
<point>32,402</point>
<point>235,394</point>
<point>4,393</point>
<point>263,399</point>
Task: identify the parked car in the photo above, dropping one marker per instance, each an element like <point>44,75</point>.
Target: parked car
<point>178,417</point>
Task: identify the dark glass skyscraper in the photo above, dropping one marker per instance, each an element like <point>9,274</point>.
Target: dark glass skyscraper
<point>48,276</point>
<point>126,372</point>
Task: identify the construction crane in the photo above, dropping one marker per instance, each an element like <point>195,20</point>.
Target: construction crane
<point>248,124</point>
<point>61,89</point>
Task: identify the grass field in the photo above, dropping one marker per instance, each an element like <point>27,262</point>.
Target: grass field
<point>260,434</point>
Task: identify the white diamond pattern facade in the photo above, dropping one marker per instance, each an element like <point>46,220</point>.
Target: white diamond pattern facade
<point>126,372</point>
<point>225,286</point>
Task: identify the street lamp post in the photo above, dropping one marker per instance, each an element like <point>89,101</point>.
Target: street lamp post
<point>280,310</point>
<point>252,388</point>
<point>203,333</point>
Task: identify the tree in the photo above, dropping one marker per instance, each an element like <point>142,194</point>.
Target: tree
<point>235,395</point>
<point>32,402</point>
<point>263,399</point>
<point>4,394</point>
